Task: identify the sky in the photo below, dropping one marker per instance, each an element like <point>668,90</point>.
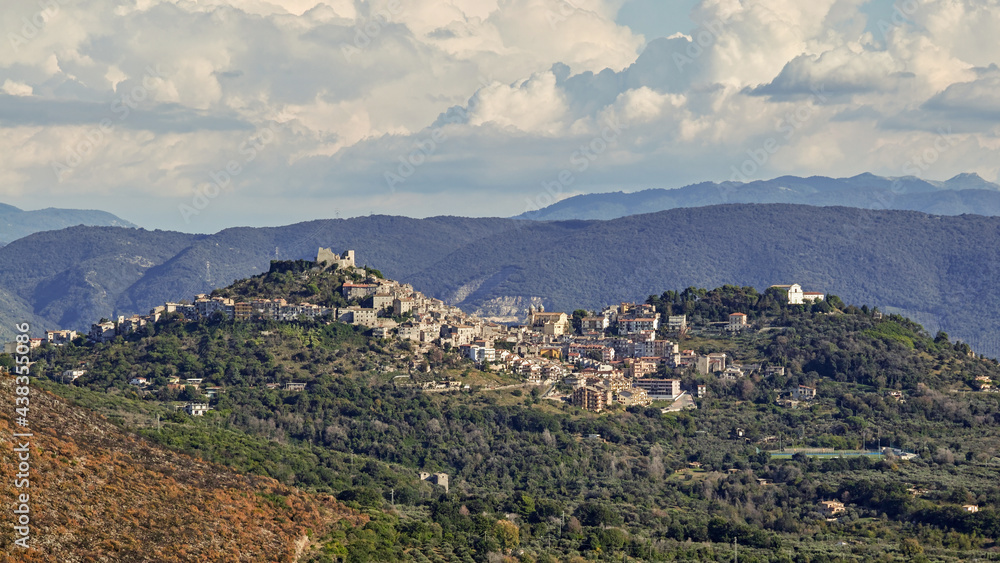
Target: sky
<point>197,115</point>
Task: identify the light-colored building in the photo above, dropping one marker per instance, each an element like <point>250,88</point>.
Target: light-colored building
<point>440,479</point>
<point>598,324</point>
<point>59,337</point>
<point>206,307</point>
<point>402,306</point>
<point>665,348</point>
<point>358,316</point>
<point>737,321</point>
<point>831,507</point>
<point>641,367</point>
<point>551,324</point>
<point>358,290</point>
<point>196,409</point>
<point>591,398</point>
<point>794,291</point>
<point>812,296</point>
<point>409,332</point>
<point>73,374</point>
<point>478,352</point>
<point>102,332</point>
<point>458,334</point>
<point>803,393</point>
<point>676,322</point>
<point>634,396</point>
<point>382,301</point>
<point>638,324</point>
<point>659,389</point>
<point>711,363</point>
<point>326,255</point>
<point>242,310</point>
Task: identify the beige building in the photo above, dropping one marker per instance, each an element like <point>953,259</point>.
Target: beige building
<point>59,337</point>
<point>332,259</point>
<point>552,324</point>
<point>711,363</point>
<point>402,306</point>
<point>676,322</point>
<point>382,301</point>
<point>634,396</point>
<point>831,507</point>
<point>598,324</point>
<point>803,393</point>
<point>737,321</point>
<point>358,290</point>
<point>591,398</point>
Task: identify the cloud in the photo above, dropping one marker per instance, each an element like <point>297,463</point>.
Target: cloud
<point>533,106</point>
<point>976,99</point>
<point>16,88</point>
<point>841,71</point>
<point>474,105</point>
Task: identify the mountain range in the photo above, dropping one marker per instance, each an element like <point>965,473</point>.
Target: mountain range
<point>965,193</point>
<point>16,223</point>
<point>939,270</point>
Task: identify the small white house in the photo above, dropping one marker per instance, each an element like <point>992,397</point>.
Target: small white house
<point>737,321</point>
<point>196,409</point>
<point>803,393</point>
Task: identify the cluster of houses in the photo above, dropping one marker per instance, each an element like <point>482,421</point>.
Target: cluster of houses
<point>615,357</point>
<point>382,303</point>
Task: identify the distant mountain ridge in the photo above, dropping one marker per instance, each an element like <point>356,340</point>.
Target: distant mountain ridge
<point>16,223</point>
<point>938,270</point>
<point>965,193</point>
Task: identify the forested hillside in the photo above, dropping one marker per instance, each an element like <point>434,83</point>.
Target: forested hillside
<point>16,223</point>
<point>938,270</point>
<point>100,493</point>
<point>924,266</point>
<point>529,480</point>
<point>965,193</point>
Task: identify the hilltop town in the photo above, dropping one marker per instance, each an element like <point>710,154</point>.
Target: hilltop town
<point>627,354</point>
<point>677,401</point>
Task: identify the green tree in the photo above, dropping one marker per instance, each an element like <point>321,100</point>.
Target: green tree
<point>507,534</point>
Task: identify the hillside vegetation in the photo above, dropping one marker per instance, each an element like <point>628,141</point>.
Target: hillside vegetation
<point>100,493</point>
<point>527,482</point>
<point>965,193</point>
<point>937,270</point>
<point>16,223</point>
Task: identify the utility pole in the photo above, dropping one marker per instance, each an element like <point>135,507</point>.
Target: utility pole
<point>736,556</point>
<point>392,494</point>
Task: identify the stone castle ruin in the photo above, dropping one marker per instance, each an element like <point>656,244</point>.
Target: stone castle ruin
<point>330,258</point>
